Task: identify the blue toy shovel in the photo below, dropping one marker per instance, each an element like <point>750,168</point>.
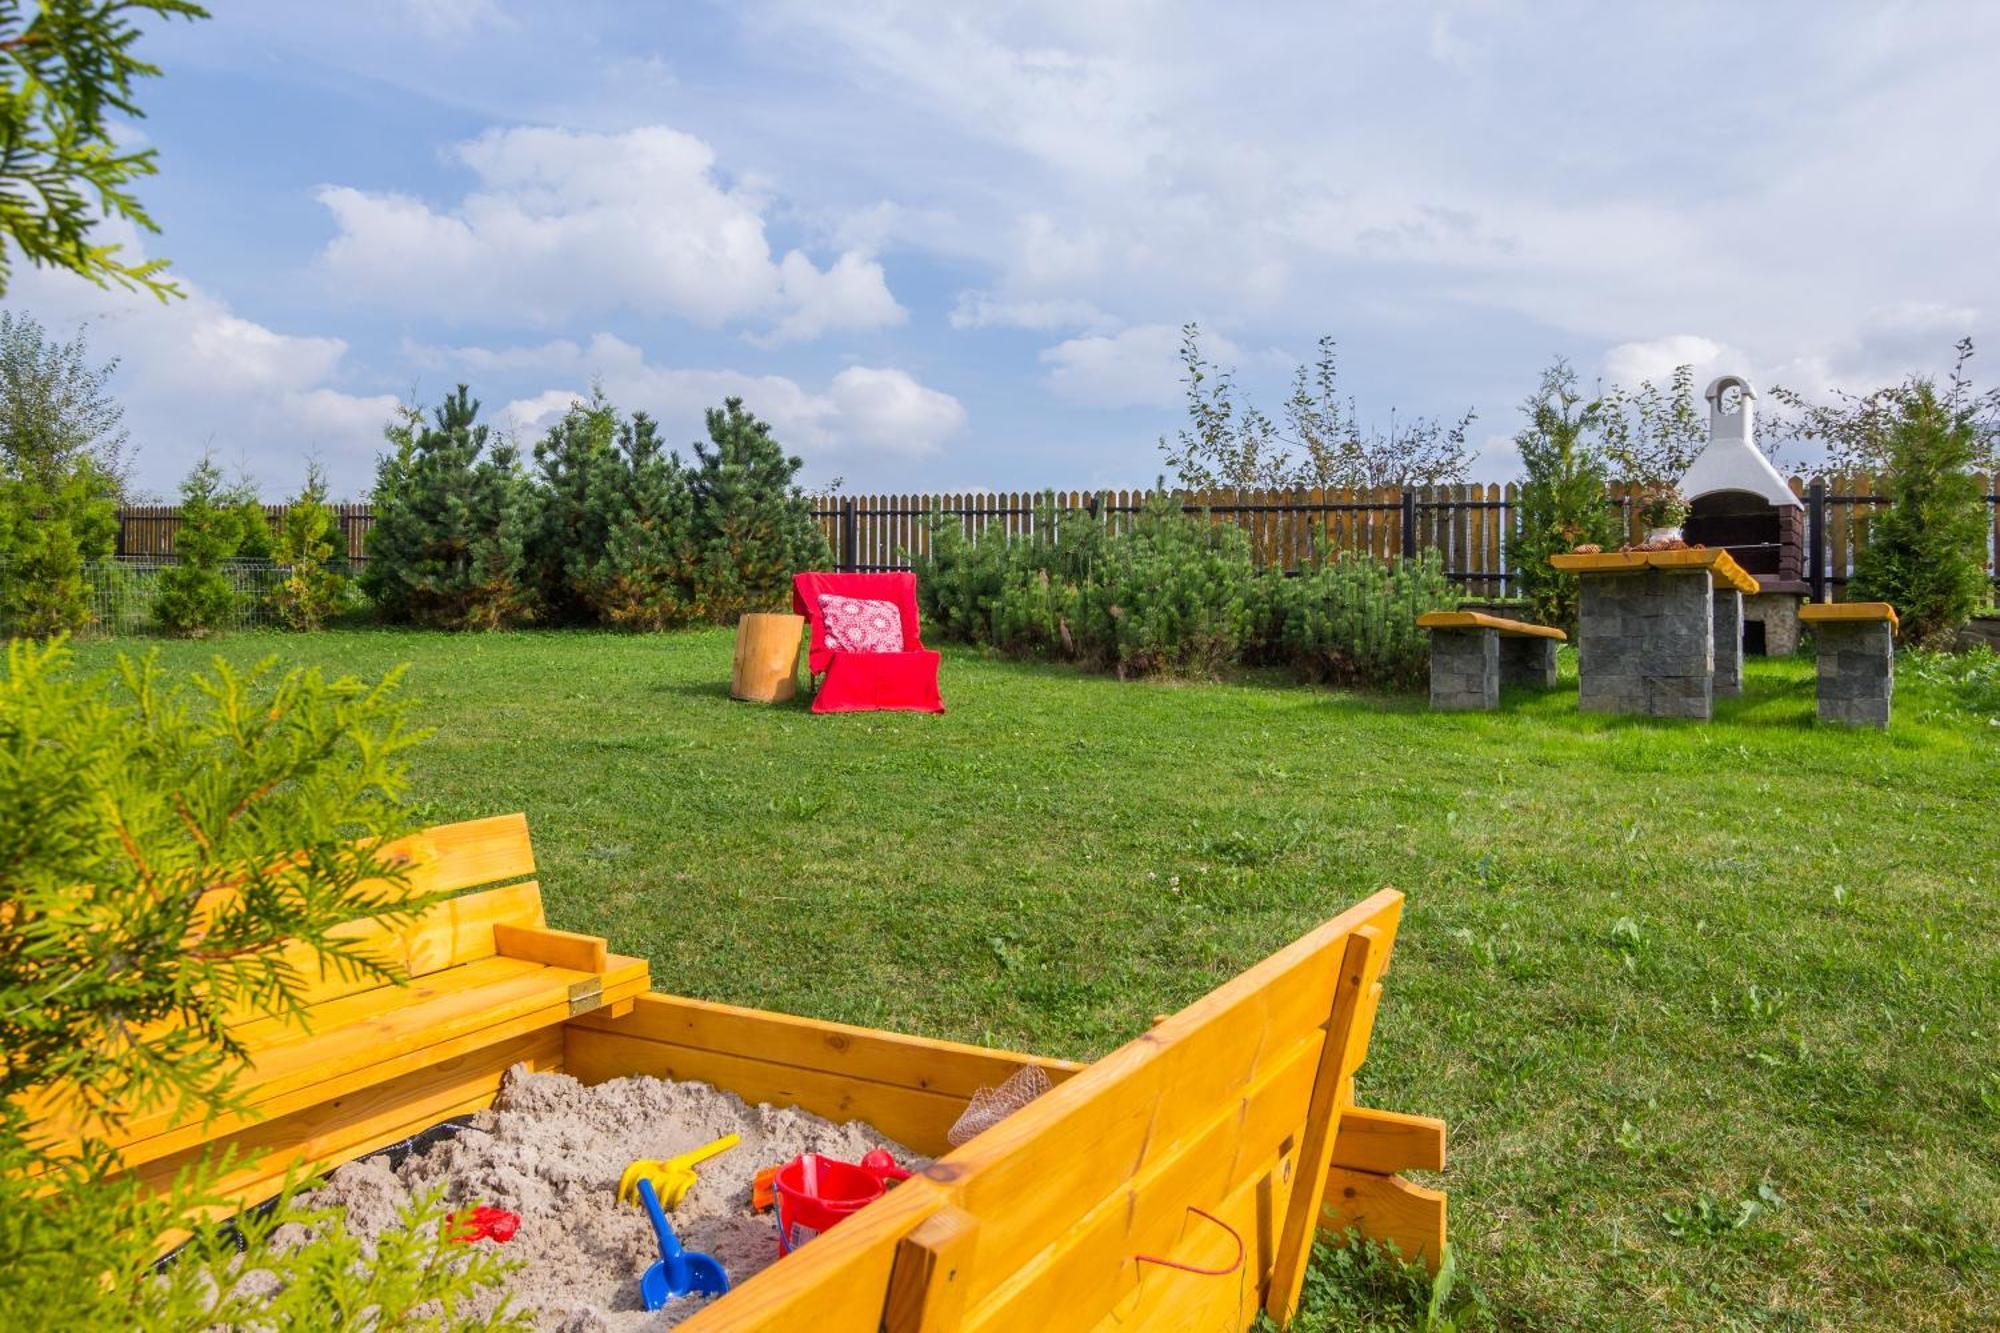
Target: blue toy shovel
<point>679,1271</point>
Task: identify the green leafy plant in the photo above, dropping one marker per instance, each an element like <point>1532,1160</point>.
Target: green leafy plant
<point>62,448</point>
<point>452,514</point>
<point>1562,497</point>
<point>66,67</point>
<point>1366,1286</point>
<point>195,595</point>
<point>1320,442</point>
<point>1174,594</point>
<point>314,585</point>
<point>1352,620</point>
<point>164,840</point>
<point>1927,555</point>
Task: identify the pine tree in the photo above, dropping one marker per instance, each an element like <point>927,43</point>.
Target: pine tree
<point>1562,501</point>
<point>315,585</point>
<point>753,526</point>
<point>641,579</point>
<point>576,469</point>
<point>195,596</point>
<point>1927,555</point>
<point>252,522</point>
<point>452,512</point>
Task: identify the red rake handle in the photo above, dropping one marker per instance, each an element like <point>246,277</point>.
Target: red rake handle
<point>1231,1267</point>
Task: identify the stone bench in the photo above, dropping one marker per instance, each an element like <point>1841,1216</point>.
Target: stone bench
<point>1474,654</point>
<point>1857,660</point>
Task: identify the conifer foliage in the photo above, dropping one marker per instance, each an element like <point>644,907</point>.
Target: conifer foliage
<point>195,596</point>
<point>307,546</point>
<point>453,511</point>
<point>753,525</point>
<point>1562,498</point>
<point>1927,555</point>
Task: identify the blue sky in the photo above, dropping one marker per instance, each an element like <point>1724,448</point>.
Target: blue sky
<point>948,246</point>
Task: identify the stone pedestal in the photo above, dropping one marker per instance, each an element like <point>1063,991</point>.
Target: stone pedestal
<point>1527,659</point>
<point>1857,671</point>
<point>1465,669</point>
<point>1646,641</point>
<point>1728,617</point>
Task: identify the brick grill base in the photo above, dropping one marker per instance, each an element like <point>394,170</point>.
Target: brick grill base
<point>1857,672</point>
<point>1646,643</point>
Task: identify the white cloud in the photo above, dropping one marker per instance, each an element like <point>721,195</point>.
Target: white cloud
<point>1656,360</point>
<point>984,310</point>
<point>196,376</point>
<point>1136,367</point>
<point>566,223</point>
<point>862,409</point>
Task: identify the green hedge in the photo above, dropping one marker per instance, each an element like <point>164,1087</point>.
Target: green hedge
<point>1177,595</point>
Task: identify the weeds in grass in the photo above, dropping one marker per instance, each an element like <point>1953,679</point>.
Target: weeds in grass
<point>1366,1286</point>
<point>1708,1219</point>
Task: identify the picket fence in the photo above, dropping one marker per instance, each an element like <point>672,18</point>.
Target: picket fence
<point>1468,525</point>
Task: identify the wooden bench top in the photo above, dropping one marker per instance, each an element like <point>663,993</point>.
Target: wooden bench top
<point>479,968</point>
<point>1480,620</point>
<point>1850,612</point>
<point>1714,559</point>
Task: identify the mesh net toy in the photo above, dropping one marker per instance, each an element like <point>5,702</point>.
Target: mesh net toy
<point>989,1106</point>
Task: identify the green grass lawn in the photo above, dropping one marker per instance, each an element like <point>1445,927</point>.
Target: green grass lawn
<point>1712,1010</point>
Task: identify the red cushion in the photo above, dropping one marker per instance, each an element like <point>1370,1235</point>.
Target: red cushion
<point>861,624</point>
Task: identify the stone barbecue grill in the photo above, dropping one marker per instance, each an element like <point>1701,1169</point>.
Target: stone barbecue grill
<point>1739,503</point>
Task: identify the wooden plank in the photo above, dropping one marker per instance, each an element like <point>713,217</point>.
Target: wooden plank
<point>1862,522</point>
<point>1480,620</point>
<point>1288,1270</point>
<point>351,1126</point>
<point>841,1288</point>
<point>490,1003</point>
<point>909,1115</point>
<point>951,1068</point>
<point>556,948</point>
<point>461,928</point>
<point>1137,1104</point>
<point>444,859</point>
<point>1386,1142</point>
<point>1717,561</point>
<point>927,1284</point>
<point>1849,613</point>
<point>1386,1208</point>
<point>1079,1270</point>
<point>1495,519</point>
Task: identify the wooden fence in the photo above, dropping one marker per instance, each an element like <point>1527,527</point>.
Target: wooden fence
<point>1469,525</point>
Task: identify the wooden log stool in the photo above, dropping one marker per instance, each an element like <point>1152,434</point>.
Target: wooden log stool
<point>1855,645</point>
<point>1473,655</point>
<point>767,657</point>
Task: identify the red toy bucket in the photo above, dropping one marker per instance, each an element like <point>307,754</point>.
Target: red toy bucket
<point>815,1191</point>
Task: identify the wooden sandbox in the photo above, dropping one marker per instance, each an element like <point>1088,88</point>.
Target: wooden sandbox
<point>1176,1183</point>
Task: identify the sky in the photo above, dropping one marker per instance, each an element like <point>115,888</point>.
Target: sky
<point>949,246</point>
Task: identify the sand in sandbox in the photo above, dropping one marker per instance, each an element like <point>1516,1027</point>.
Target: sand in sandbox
<point>552,1150</point>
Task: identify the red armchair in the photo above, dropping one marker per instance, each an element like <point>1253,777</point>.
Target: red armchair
<point>859,682</point>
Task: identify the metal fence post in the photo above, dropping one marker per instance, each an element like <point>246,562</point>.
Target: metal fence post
<point>1816,536</point>
<point>849,537</point>
<point>1409,523</point>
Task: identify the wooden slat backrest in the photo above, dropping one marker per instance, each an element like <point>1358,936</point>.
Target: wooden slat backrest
<point>448,859</point>
<point>1203,1110</point>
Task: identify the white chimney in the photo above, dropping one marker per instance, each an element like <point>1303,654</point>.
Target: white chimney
<point>1732,461</point>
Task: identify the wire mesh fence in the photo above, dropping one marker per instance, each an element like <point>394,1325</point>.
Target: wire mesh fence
<point>122,593</point>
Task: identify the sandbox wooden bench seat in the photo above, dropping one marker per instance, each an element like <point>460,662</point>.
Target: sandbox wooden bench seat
<point>371,1062</point>
<point>1474,654</point>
